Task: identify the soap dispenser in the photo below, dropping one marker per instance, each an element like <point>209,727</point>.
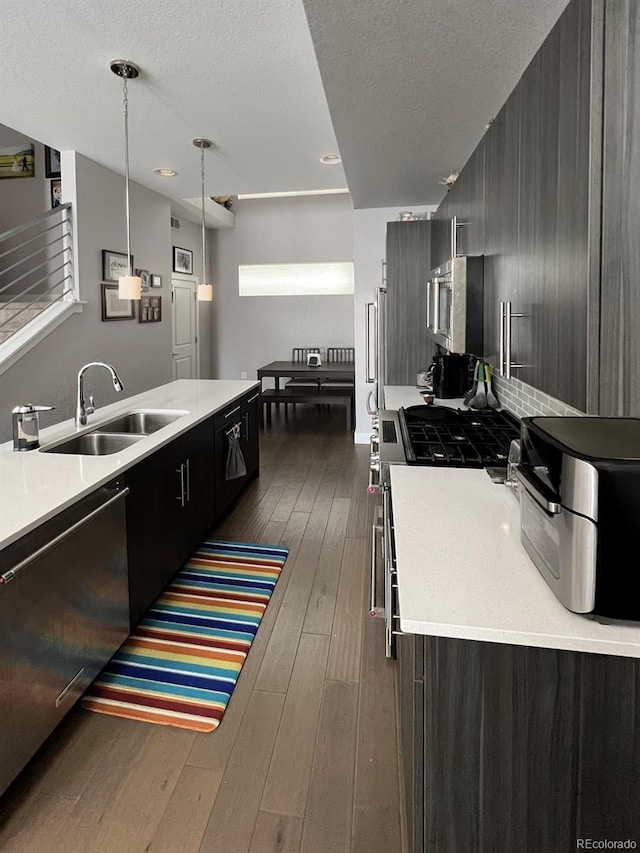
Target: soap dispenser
<point>26,429</point>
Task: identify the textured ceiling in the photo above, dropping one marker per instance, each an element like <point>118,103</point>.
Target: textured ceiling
<point>410,86</point>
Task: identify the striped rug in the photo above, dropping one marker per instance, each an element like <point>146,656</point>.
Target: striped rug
<point>181,662</point>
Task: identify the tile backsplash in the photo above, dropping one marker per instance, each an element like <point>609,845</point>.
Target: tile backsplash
<point>524,400</point>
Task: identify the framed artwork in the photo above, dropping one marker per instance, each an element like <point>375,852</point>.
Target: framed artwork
<point>56,193</point>
<point>156,281</point>
<point>51,162</point>
<point>114,308</point>
<point>145,277</point>
<point>150,309</point>
<point>182,260</point>
<point>17,161</point>
<point>114,264</point>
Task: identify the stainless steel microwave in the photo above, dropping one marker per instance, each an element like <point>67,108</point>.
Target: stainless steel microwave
<point>455,305</point>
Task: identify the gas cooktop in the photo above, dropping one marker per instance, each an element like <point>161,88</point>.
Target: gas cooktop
<point>457,438</point>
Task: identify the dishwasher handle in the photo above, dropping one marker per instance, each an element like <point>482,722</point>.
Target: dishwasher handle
<point>9,575</point>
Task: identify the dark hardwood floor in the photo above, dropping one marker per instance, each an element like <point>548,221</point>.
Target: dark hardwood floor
<point>306,759</point>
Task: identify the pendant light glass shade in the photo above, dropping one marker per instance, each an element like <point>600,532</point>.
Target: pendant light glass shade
<point>130,285</point>
<point>205,291</point>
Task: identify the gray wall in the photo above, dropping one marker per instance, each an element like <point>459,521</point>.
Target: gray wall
<point>22,199</point>
<point>140,352</point>
<point>251,331</point>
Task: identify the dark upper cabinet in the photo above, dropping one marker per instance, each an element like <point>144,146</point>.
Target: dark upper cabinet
<point>466,204</point>
<point>619,339</point>
<point>408,260</point>
<point>441,235</point>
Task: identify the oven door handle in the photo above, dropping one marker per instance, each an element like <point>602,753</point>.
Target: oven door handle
<point>551,506</point>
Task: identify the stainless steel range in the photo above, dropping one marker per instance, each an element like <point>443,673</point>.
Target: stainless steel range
<point>433,436</point>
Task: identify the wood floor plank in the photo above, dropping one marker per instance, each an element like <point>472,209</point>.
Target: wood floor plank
<point>34,824</point>
<point>276,833</point>
<point>235,812</point>
<point>376,793</point>
<point>328,817</point>
<point>294,532</point>
<point>288,778</point>
<point>346,638</point>
<point>185,818</point>
<point>320,612</point>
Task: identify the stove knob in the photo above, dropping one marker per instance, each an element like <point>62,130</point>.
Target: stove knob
<point>374,462</point>
<point>374,438</point>
<point>374,421</point>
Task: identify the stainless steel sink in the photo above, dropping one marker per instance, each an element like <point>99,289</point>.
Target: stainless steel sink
<point>94,444</point>
<point>141,423</point>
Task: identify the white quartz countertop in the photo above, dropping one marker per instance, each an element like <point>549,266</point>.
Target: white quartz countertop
<point>462,571</point>
<point>34,486</point>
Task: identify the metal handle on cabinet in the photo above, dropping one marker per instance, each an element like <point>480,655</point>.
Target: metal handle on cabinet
<point>188,467</point>
<point>11,573</point>
<point>384,273</point>
<point>180,471</point>
<point>454,235</point>
<point>506,316</point>
<point>368,310</point>
<point>232,412</point>
<point>429,291</point>
<point>255,397</point>
<point>374,610</point>
<point>436,305</point>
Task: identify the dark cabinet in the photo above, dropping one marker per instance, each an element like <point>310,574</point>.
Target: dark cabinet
<point>242,419</point>
<point>465,202</point>
<point>441,235</point>
<point>169,510</point>
<point>619,371</point>
<point>408,261</point>
<point>520,748</point>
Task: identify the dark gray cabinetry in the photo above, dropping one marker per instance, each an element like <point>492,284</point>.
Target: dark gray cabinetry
<point>523,749</point>
<point>501,163</point>
<point>169,510</point>
<point>408,259</point>
<point>619,339</point>
<point>412,723</point>
<point>441,235</point>
<point>559,179</point>
<point>466,202</point>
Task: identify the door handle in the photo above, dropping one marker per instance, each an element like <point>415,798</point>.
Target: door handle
<point>180,471</point>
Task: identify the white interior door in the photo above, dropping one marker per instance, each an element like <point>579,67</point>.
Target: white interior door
<point>184,326</point>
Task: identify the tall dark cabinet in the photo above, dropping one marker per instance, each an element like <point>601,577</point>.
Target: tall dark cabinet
<point>408,257</point>
<point>619,338</point>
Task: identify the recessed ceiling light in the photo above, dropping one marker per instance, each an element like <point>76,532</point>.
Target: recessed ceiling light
<point>331,159</point>
<point>165,173</point>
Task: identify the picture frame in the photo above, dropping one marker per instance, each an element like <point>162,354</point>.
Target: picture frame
<point>18,161</point>
<point>145,278</point>
<point>52,162</point>
<point>114,308</point>
<point>150,309</point>
<point>55,189</point>
<point>182,260</point>
<point>114,264</point>
<point>156,280</point>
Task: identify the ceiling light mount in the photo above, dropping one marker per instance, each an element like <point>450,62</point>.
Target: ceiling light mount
<point>165,173</point>
<point>205,291</point>
<point>331,159</point>
<point>130,285</point>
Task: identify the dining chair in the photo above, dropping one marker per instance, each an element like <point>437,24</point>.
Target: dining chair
<point>334,356</point>
<point>299,355</point>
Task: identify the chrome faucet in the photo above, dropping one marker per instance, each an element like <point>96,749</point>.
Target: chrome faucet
<point>82,410</point>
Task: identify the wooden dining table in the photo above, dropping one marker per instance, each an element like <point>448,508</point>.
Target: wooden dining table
<point>338,370</point>
<point>345,370</point>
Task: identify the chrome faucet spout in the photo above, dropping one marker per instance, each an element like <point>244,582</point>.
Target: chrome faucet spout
<point>82,410</point>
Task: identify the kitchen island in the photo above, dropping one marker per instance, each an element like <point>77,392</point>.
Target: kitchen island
<point>519,718</point>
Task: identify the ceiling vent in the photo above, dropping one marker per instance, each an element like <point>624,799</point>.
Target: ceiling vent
<point>175,223</point>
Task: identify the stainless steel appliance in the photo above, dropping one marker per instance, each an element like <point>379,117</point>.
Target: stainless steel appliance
<point>429,436</point>
<point>455,305</point>
<point>580,504</point>
<point>26,427</point>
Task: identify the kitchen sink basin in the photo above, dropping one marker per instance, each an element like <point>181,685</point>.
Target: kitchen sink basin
<point>141,423</point>
<point>94,444</point>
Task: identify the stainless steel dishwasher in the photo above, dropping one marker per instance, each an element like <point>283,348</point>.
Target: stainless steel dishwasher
<point>63,613</point>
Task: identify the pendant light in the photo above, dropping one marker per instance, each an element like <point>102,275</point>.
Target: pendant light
<point>205,291</point>
<point>130,285</point>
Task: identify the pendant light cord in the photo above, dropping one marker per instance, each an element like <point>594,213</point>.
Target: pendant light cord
<point>125,110</point>
<point>204,264</point>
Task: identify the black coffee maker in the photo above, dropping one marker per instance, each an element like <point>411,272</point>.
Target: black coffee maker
<point>452,374</point>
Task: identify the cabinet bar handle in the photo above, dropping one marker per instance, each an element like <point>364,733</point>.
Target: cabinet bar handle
<point>251,399</point>
<point>66,690</point>
<point>180,471</point>
<point>506,316</point>
<point>188,467</point>
<point>10,575</point>
<point>233,411</point>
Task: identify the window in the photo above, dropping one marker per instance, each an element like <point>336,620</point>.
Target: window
<point>322,279</point>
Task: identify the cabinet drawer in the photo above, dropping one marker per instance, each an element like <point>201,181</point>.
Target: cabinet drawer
<point>231,414</point>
